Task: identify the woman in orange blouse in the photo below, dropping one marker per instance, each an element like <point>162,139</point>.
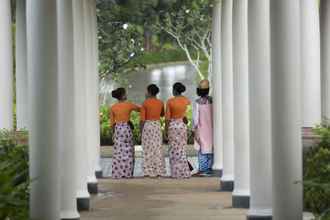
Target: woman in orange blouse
<point>123,152</point>
<point>151,111</point>
<point>176,129</point>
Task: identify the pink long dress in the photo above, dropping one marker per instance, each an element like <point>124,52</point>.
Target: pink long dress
<point>203,125</point>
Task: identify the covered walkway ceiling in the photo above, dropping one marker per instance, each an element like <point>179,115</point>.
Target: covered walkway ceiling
<point>261,45</point>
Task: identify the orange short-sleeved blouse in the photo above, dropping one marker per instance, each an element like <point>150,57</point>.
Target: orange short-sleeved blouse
<point>152,109</point>
<point>121,112</point>
<point>176,107</point>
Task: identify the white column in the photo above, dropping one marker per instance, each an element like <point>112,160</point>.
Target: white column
<point>241,194</point>
<point>310,63</point>
<point>6,67</point>
<point>83,196</point>
<point>325,57</point>
<point>227,180</point>
<point>91,99</point>
<point>43,113</point>
<point>67,110</point>
<point>286,109</point>
<point>21,66</point>
<point>260,111</point>
<point>216,68</point>
<point>98,169</point>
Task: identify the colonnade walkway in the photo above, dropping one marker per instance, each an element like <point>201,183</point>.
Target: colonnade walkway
<point>162,199</point>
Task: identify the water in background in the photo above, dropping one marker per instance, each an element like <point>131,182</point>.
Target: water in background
<point>163,76</point>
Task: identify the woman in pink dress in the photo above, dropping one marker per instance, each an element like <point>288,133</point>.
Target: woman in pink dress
<point>203,127</point>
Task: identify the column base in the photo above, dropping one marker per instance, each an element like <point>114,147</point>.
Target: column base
<point>70,215</point>
<point>226,186</point>
<point>83,204</point>
<point>217,173</point>
<point>255,217</point>
<point>99,174</point>
<point>92,188</point>
<point>241,201</point>
<point>70,218</point>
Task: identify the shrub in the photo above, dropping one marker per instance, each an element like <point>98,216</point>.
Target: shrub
<point>105,129</point>
<point>14,177</point>
<point>317,174</point>
<point>135,119</point>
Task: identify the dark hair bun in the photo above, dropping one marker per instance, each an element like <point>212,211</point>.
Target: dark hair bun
<point>179,87</point>
<point>153,89</point>
<point>118,93</point>
<point>114,94</point>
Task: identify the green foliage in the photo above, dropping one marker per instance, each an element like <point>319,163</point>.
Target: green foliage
<point>123,50</point>
<point>106,130</point>
<point>189,23</point>
<point>323,131</point>
<point>317,174</point>
<point>119,41</point>
<point>204,67</point>
<point>190,126</point>
<point>135,119</point>
<point>14,178</point>
<point>189,19</point>
<point>143,12</point>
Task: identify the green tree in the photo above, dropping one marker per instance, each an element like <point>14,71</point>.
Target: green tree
<point>317,174</point>
<point>144,13</point>
<point>119,41</point>
<point>189,23</point>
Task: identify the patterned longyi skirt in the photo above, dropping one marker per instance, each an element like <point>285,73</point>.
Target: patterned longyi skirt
<point>153,157</point>
<point>123,152</point>
<point>177,136</point>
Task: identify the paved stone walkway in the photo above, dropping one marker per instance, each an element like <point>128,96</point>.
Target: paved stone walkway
<point>162,199</point>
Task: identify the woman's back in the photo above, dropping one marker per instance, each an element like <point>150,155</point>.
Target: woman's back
<point>121,111</point>
<point>152,109</point>
<point>176,107</point>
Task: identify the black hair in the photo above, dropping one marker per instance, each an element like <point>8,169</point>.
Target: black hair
<point>153,89</point>
<point>203,92</point>
<point>118,93</point>
<point>179,88</point>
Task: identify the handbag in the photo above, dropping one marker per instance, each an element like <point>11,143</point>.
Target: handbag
<point>191,168</point>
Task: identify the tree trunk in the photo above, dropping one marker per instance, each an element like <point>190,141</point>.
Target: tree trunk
<point>147,39</point>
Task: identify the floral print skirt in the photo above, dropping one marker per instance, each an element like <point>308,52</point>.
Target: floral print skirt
<point>177,136</point>
<point>123,152</point>
<point>153,157</point>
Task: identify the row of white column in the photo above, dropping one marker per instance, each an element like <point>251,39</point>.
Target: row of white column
<point>6,67</point>
<point>57,99</point>
<point>267,82</point>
